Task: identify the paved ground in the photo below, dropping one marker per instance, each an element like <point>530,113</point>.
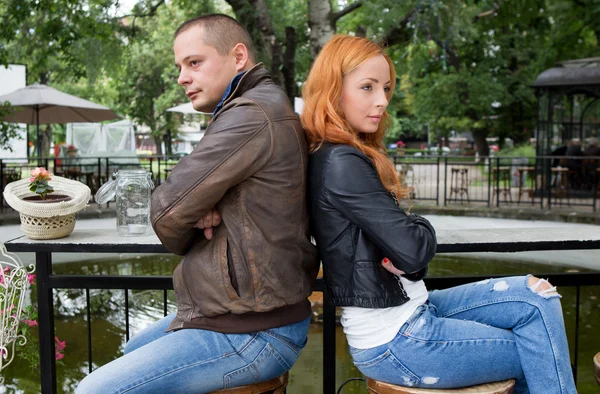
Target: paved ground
<point>578,258</point>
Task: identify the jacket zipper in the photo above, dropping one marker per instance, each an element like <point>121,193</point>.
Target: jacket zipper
<point>400,286</point>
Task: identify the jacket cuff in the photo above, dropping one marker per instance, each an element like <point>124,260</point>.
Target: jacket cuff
<point>416,276</point>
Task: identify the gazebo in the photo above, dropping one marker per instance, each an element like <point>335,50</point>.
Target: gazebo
<point>568,102</point>
<point>568,108</point>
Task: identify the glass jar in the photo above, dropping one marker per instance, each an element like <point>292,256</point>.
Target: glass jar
<point>132,189</point>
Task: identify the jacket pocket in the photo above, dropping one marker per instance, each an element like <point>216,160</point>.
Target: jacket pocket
<point>386,367</point>
<point>228,270</point>
<point>185,305</point>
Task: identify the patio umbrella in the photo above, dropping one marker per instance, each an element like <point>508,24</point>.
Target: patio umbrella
<point>186,108</point>
<point>40,104</point>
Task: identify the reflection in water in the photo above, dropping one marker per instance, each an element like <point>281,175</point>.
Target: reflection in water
<point>146,306</point>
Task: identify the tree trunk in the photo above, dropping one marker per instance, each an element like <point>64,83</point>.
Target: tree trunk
<point>43,138</point>
<point>168,134</point>
<point>289,63</point>
<point>320,24</point>
<point>480,136</point>
<point>269,39</point>
<point>158,142</point>
<point>46,140</point>
<point>255,17</point>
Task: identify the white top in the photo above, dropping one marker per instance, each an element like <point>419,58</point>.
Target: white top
<point>366,328</point>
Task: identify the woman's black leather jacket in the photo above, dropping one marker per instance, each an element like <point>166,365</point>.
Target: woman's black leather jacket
<point>356,222</point>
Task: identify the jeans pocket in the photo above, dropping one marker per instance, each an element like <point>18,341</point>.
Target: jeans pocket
<point>270,335</point>
<point>267,365</point>
<point>387,368</point>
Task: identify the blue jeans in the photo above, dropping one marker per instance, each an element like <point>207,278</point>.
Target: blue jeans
<point>197,361</point>
<point>478,333</point>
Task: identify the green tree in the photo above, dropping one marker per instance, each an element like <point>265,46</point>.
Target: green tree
<point>147,81</point>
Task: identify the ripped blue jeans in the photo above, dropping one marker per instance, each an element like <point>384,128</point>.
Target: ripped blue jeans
<point>482,332</point>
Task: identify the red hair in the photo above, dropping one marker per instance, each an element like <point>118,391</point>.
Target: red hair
<point>324,121</point>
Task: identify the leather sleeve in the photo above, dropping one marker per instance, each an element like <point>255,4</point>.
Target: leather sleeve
<point>236,145</point>
<point>353,187</point>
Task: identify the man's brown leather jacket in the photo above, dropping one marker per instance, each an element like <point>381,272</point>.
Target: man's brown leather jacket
<point>259,268</point>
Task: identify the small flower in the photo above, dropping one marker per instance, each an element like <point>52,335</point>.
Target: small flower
<point>31,278</point>
<point>60,346</point>
<point>30,323</point>
<point>59,356</point>
<point>10,308</point>
<point>38,183</point>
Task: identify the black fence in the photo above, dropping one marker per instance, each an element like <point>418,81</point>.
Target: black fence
<point>542,181</point>
<point>92,171</point>
<point>47,281</point>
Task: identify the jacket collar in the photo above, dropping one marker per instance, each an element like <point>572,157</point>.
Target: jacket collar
<point>250,79</point>
<point>231,87</point>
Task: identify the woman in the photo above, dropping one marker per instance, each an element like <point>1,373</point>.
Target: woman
<point>375,255</point>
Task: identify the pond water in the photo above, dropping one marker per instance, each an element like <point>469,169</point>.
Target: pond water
<point>108,322</point>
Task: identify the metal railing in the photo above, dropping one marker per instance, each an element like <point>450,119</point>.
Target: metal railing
<point>92,171</point>
<point>47,281</point>
<point>542,181</point>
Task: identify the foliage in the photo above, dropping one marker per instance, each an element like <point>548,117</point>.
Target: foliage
<point>403,128</point>
<point>525,150</point>
<point>30,351</point>
<point>462,65</point>
<point>9,132</point>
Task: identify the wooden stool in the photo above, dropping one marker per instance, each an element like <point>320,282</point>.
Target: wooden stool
<point>273,386</point>
<point>459,183</point>
<point>501,182</point>
<point>597,367</point>
<point>504,387</point>
<point>560,184</point>
<point>529,174</point>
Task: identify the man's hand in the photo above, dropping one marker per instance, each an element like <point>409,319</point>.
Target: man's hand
<point>387,264</point>
<point>208,221</point>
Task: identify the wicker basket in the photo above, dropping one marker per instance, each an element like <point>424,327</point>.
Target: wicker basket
<point>50,220</point>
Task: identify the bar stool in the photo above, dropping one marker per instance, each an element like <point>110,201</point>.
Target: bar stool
<point>504,387</point>
<point>560,184</point>
<point>501,181</point>
<point>459,183</point>
<point>274,386</point>
<point>529,173</point>
<point>597,367</point>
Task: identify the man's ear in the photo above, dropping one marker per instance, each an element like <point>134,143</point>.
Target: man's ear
<point>242,61</point>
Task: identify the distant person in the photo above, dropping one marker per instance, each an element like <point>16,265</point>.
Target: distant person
<point>375,255</point>
<point>591,164</point>
<point>557,155</point>
<point>592,148</point>
<point>573,162</point>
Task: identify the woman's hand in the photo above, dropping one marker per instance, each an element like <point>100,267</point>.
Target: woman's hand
<point>208,221</point>
<point>387,264</point>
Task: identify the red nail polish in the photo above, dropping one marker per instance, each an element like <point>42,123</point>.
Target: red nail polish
<point>385,260</point>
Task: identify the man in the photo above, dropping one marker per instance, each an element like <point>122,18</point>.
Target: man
<point>590,163</point>
<point>235,209</point>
